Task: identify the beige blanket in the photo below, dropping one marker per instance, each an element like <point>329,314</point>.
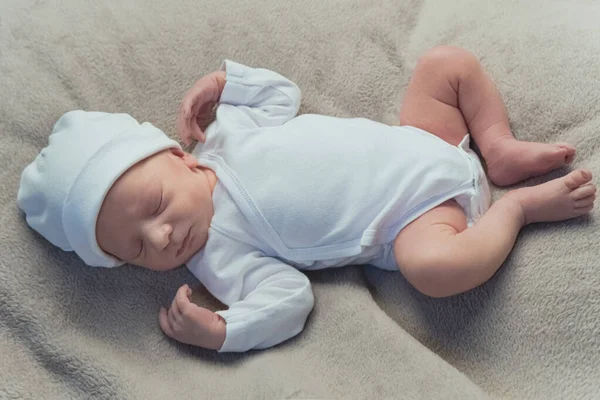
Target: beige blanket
<point>69,331</point>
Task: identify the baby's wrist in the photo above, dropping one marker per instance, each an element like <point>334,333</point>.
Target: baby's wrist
<point>218,333</point>
<point>220,78</point>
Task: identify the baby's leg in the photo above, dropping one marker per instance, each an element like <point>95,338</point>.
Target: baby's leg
<point>450,95</point>
<point>440,257</point>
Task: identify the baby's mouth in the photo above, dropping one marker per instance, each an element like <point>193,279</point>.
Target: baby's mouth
<point>185,244</point>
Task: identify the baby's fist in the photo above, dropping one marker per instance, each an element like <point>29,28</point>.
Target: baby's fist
<point>188,323</point>
<point>196,110</point>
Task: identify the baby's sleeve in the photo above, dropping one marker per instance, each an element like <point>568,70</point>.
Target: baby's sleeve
<point>268,300</point>
<point>256,97</point>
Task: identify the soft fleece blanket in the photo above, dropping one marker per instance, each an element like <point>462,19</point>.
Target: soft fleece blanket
<point>69,331</point>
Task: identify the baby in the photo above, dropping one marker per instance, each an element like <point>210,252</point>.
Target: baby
<point>267,193</point>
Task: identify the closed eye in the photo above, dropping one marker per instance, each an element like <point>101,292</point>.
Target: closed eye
<point>159,204</point>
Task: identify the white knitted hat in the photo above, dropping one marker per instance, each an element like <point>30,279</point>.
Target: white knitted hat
<point>62,190</point>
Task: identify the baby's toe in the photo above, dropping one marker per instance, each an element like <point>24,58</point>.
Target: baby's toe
<point>571,152</point>
<point>585,203</point>
<point>583,191</point>
<point>577,178</point>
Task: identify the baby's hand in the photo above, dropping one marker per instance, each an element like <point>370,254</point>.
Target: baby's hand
<point>188,323</point>
<point>196,111</point>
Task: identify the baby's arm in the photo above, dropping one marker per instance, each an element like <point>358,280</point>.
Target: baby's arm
<point>268,300</point>
<point>248,97</point>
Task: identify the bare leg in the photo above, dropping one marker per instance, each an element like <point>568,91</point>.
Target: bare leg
<point>450,95</point>
<point>440,257</point>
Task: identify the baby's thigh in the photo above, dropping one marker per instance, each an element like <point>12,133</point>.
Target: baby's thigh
<point>431,100</point>
<point>427,235</point>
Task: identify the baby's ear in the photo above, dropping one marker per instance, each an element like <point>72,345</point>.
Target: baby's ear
<point>189,160</point>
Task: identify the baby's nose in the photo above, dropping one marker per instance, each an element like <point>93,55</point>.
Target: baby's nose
<point>161,236</point>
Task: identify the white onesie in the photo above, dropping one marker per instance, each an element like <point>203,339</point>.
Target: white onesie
<point>310,192</point>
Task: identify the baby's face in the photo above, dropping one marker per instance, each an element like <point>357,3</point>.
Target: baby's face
<point>157,214</point>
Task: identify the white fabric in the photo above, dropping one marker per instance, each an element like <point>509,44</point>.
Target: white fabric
<point>312,191</point>
<point>62,190</point>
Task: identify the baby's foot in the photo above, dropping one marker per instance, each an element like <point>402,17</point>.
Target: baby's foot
<point>510,161</point>
<point>563,198</point>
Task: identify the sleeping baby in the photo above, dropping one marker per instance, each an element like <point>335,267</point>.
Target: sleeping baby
<point>266,194</point>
